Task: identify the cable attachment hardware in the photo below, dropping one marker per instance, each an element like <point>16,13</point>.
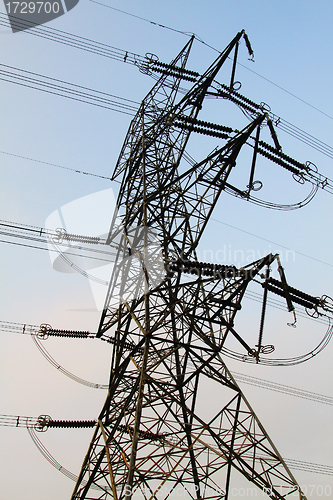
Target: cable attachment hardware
<point>248,46</point>
<point>145,67</point>
<point>43,333</point>
<point>236,86</point>
<point>42,423</point>
<point>299,178</point>
<point>59,235</point>
<point>265,349</point>
<point>326,303</point>
<point>293,325</point>
<point>255,186</point>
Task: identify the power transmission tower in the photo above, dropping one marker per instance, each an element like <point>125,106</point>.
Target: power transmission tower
<point>158,431</point>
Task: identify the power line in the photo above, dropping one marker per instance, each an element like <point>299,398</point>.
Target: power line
<point>273,242</point>
<point>33,422</point>
<point>212,218</point>
<point>75,41</point>
<point>68,90</point>
<point>143,19</point>
<point>56,165</point>
<point>250,430</point>
<point>40,235</point>
<point>56,239</point>
<point>129,107</point>
<point>216,50</point>
<point>35,331</point>
<point>285,389</point>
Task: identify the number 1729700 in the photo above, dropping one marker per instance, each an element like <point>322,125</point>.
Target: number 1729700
<point>32,7</point>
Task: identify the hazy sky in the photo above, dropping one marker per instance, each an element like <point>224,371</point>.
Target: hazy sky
<point>293,48</point>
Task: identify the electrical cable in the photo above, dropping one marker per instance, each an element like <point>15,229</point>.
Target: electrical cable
<point>281,305</point>
<point>143,19</point>
<point>24,228</point>
<point>30,422</point>
<point>140,61</point>
<point>24,231</point>
<point>35,331</point>
<point>47,236</point>
<point>62,370</point>
<point>120,104</point>
<point>192,162</point>
<point>215,50</point>
<point>292,361</point>
<point>57,166</point>
<point>299,463</point>
<point>293,464</point>
<point>46,454</point>
<point>285,389</point>
<point>75,41</point>
<point>273,242</point>
<point>275,206</point>
<point>68,90</point>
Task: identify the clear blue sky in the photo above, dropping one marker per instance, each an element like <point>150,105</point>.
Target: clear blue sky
<point>292,42</point>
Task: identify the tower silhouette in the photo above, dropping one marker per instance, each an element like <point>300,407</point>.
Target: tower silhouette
<point>174,419</point>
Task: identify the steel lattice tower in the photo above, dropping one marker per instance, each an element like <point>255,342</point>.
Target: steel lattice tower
<point>154,433</point>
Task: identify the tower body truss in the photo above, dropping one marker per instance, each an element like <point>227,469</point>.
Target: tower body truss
<point>174,417</point>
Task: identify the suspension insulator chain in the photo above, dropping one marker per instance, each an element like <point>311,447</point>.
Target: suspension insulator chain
<point>176,68</point>
<point>284,156</point>
<point>64,424</point>
<point>172,73</point>
<point>239,102</point>
<point>279,162</point>
<point>46,330</point>
<point>240,96</point>
<point>205,269</point>
<point>45,422</point>
<point>203,123</point>
<point>200,130</point>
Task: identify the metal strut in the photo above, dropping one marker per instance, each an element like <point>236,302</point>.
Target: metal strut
<point>156,432</point>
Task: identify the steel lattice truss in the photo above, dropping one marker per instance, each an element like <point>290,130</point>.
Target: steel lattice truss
<point>158,430</point>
